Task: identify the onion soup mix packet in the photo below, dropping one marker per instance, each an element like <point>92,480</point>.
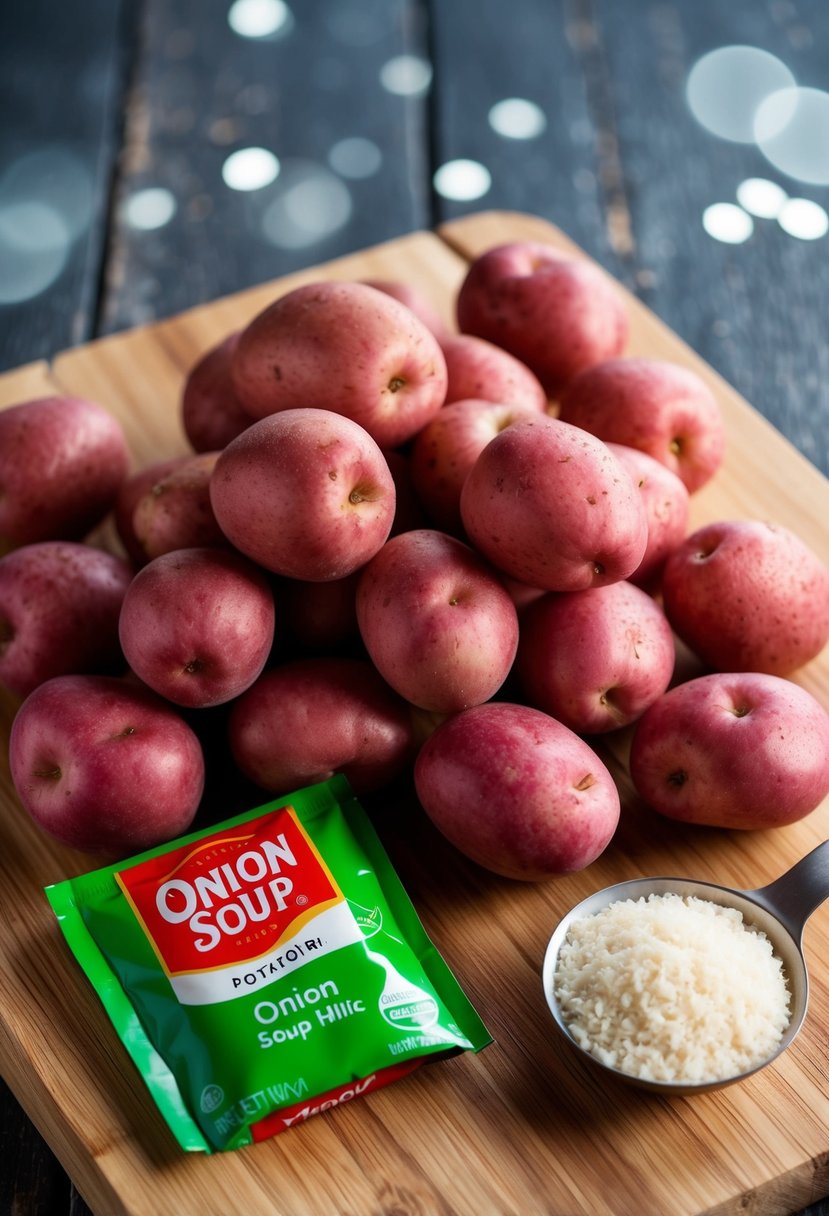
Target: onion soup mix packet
<point>265,969</point>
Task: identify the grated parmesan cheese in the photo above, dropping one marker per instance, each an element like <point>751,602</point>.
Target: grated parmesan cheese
<point>672,988</point>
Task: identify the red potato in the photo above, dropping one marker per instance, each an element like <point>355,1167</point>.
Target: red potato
<point>305,493</point>
<point>667,508</point>
<point>130,491</point>
<point>62,460</point>
<point>414,300</point>
<point>211,412</point>
<point>478,369</point>
<point>105,766</point>
<point>517,792</point>
<point>343,347</point>
<point>59,607</point>
<point>554,313</point>
<point>172,510</point>
<point>436,621</point>
<point>306,720</point>
<point>659,407</point>
<point>747,595</point>
<point>197,625</point>
<point>733,750</point>
<point>595,660</point>
<point>445,450</point>
<point>552,507</point>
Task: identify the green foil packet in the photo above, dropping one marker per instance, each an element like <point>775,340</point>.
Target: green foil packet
<point>265,969</point>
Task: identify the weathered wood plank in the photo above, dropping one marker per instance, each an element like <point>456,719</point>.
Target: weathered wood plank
<point>202,92</point>
<point>755,311</point>
<point>482,58</point>
<point>61,72</point>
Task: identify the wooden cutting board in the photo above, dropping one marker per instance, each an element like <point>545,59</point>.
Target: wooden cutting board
<point>523,1127</point>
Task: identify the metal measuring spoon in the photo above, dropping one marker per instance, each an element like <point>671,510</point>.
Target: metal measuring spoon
<point>780,909</point>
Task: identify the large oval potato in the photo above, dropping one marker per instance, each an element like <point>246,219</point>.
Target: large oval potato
<point>344,347</point>
<point>748,595</point>
<point>305,493</point>
<point>516,791</point>
<point>551,506</point>
<point>439,625</point>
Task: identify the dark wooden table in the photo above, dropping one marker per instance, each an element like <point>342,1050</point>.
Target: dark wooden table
<point>361,101</point>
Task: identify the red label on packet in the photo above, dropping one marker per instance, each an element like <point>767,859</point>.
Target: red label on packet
<point>199,903</point>
<point>272,1125</point>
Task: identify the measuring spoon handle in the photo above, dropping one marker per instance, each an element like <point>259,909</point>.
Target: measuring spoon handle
<point>793,897</point>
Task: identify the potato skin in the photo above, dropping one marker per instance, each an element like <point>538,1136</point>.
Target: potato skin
<point>436,620</point>
<point>104,765</point>
<point>555,314</point>
<point>197,625</point>
<point>130,491</point>
<point>596,659</point>
<point>344,347</point>
<point>741,750</point>
<point>307,719</point>
<point>478,369</point>
<point>305,493</point>
<point>62,460</point>
<point>175,511</point>
<point>211,412</point>
<point>443,453</point>
<point>655,405</point>
<point>550,506</point>
<point>747,595</point>
<point>667,507</point>
<point>516,791</point>
<point>59,607</point>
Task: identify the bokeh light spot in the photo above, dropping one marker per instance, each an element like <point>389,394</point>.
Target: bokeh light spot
<point>260,18</point>
<point>517,118</point>
<point>250,169</point>
<point>355,157</point>
<point>55,176</point>
<point>310,205</point>
<point>761,197</point>
<point>792,131</point>
<point>726,86</point>
<point>406,75</point>
<point>803,218</point>
<point>149,209</point>
<point>462,180</point>
<point>727,222</point>
<point>34,247</point>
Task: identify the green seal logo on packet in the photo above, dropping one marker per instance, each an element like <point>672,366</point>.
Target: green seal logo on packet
<point>254,969</point>
<point>370,920</point>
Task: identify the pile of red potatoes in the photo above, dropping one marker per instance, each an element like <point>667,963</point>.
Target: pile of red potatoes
<point>397,548</point>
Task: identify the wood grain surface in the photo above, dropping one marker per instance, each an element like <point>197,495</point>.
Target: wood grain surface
<point>524,1126</point>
